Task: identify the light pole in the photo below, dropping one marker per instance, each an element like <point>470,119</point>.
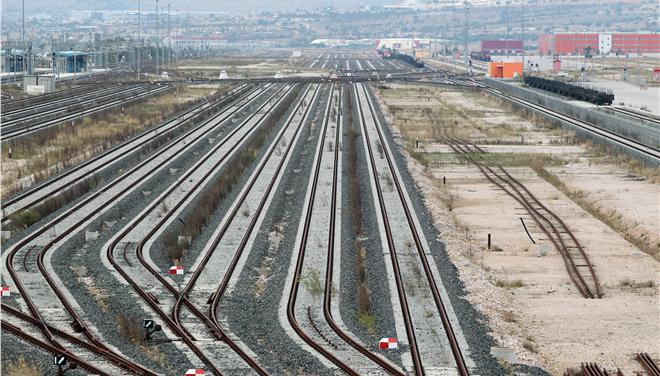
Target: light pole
<point>138,43</point>
<point>169,38</point>
<point>453,26</point>
<point>507,26</point>
<point>157,44</point>
<point>23,39</point>
<point>465,37</point>
<point>522,31</point>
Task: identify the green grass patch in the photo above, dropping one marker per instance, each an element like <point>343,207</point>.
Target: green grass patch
<point>368,321</point>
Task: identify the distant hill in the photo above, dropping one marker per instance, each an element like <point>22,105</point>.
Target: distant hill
<point>56,7</point>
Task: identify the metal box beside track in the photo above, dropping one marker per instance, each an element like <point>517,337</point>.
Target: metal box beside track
<point>39,84</point>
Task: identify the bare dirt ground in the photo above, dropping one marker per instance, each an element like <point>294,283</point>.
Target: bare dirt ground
<point>238,67</point>
<point>610,203</point>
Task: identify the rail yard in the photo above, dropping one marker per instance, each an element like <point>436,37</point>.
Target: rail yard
<point>327,210</point>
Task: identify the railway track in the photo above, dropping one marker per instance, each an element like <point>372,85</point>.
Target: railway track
<point>56,116</point>
<point>102,198</point>
<point>235,224</point>
<point>237,138</point>
<point>576,261</point>
<point>36,342</point>
<point>300,248</point>
<point>367,115</point>
<point>642,149</point>
<point>333,342</point>
<point>60,183</point>
<point>88,353</point>
<point>25,111</point>
<point>634,114</point>
<point>645,360</point>
<point>16,103</point>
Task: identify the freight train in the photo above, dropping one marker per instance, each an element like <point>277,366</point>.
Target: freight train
<point>480,55</point>
<point>388,53</point>
<point>562,88</point>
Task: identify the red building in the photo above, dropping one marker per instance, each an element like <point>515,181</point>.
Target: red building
<point>574,43</point>
<point>635,43</point>
<point>599,43</point>
<point>502,46</point>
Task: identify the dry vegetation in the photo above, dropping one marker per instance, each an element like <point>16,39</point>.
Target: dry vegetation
<point>541,153</point>
<point>43,154</point>
<point>25,218</point>
<point>205,205</point>
<point>446,119</point>
<point>22,367</point>
<point>364,315</point>
<point>130,327</point>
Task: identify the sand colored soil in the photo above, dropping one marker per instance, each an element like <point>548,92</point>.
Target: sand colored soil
<point>529,300</point>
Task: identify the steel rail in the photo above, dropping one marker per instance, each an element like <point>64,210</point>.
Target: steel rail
<point>211,319</point>
<point>618,139</point>
<point>648,364</point>
<point>293,293</point>
<point>20,116</point>
<point>643,117</point>
<point>169,124</point>
<point>178,329</point>
<point>176,310</point>
<point>50,348</point>
<point>451,336</point>
<point>42,97</point>
<point>329,269</point>
<point>597,293</point>
<point>42,268</point>
<point>78,342</point>
<point>403,300</point>
<point>17,114</point>
<point>56,289</point>
<point>23,130</point>
<point>538,218</point>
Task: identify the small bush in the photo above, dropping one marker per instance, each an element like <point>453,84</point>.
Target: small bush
<point>516,283</point>
<point>312,282</point>
<point>24,219</point>
<point>23,368</point>
<point>509,316</point>
<point>530,346</point>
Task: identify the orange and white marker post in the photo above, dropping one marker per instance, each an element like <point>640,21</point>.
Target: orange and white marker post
<point>388,343</point>
<point>176,270</point>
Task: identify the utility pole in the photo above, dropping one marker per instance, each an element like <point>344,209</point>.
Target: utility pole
<point>465,41</point>
<point>522,31</point>
<point>23,48</point>
<point>169,38</point>
<point>157,44</point>
<point>453,26</point>
<point>507,26</point>
<point>138,43</point>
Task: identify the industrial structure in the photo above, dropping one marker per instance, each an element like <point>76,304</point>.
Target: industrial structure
<point>502,46</point>
<point>500,69</point>
<point>601,43</point>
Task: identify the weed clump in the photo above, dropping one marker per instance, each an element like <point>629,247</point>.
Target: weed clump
<point>207,202</point>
